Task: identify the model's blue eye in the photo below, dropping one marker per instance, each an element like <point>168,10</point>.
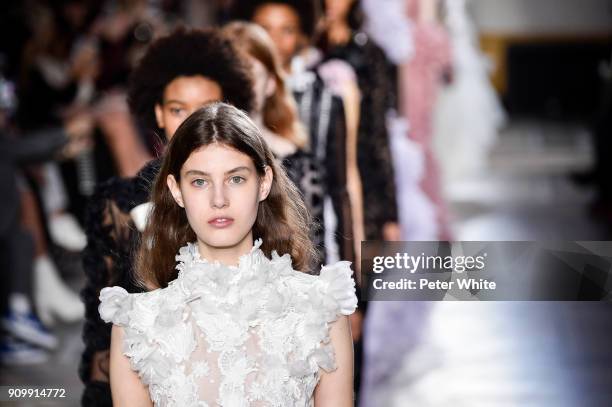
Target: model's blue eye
<point>176,111</point>
<point>198,182</point>
<point>237,180</point>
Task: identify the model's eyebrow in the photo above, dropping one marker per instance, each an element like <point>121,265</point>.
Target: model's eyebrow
<point>179,102</point>
<point>232,171</point>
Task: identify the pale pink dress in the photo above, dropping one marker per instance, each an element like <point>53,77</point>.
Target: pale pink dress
<point>420,81</point>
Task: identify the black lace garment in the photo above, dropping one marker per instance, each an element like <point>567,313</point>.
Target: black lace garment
<point>373,154</point>
<point>107,260</point>
<point>308,174</point>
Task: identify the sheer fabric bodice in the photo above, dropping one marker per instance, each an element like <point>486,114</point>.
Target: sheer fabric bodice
<point>256,334</point>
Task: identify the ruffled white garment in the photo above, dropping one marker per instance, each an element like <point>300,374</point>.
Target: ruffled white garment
<point>255,334</point>
<point>468,113</point>
<point>417,213</point>
<point>388,24</point>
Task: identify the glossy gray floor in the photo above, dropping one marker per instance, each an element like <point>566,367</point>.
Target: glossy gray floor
<point>540,354</point>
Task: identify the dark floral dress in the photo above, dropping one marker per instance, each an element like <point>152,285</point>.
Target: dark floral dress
<point>112,240</point>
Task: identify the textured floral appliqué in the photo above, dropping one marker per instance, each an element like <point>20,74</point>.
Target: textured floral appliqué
<point>256,332</point>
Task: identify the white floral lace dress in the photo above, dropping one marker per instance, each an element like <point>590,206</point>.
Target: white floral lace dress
<point>255,334</point>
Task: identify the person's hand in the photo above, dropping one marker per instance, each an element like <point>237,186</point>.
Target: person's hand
<point>115,27</point>
<point>79,125</point>
<point>85,62</point>
<point>391,231</point>
<point>79,129</point>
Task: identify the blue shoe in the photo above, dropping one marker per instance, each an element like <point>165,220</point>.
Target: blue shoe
<point>14,352</point>
<point>28,328</point>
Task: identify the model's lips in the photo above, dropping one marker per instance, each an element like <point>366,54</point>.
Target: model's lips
<point>221,221</point>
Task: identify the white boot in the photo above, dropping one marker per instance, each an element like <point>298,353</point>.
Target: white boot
<point>51,295</point>
<point>66,232</point>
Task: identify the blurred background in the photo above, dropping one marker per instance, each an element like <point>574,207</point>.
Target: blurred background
<point>497,125</point>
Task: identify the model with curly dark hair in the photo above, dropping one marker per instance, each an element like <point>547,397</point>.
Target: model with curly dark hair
<point>178,74</point>
<point>187,53</point>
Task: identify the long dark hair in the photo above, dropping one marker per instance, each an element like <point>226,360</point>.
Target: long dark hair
<point>282,218</point>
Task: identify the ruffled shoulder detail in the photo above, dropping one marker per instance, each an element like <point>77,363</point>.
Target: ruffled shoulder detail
<point>338,286</point>
<point>333,294</point>
<point>155,336</point>
<point>115,303</point>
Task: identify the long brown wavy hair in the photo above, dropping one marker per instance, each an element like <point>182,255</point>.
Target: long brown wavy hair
<point>282,218</point>
<point>279,110</point>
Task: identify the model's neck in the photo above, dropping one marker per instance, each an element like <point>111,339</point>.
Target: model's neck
<point>226,255</point>
<point>338,32</point>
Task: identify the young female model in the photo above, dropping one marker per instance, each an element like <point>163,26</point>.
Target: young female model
<point>233,323</point>
<point>178,74</point>
<point>342,39</point>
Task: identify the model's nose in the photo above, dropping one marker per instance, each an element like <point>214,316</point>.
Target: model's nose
<point>219,197</point>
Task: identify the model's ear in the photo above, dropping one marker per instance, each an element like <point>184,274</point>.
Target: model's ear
<point>270,86</point>
<point>266,183</point>
<point>159,116</point>
<point>175,190</point>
